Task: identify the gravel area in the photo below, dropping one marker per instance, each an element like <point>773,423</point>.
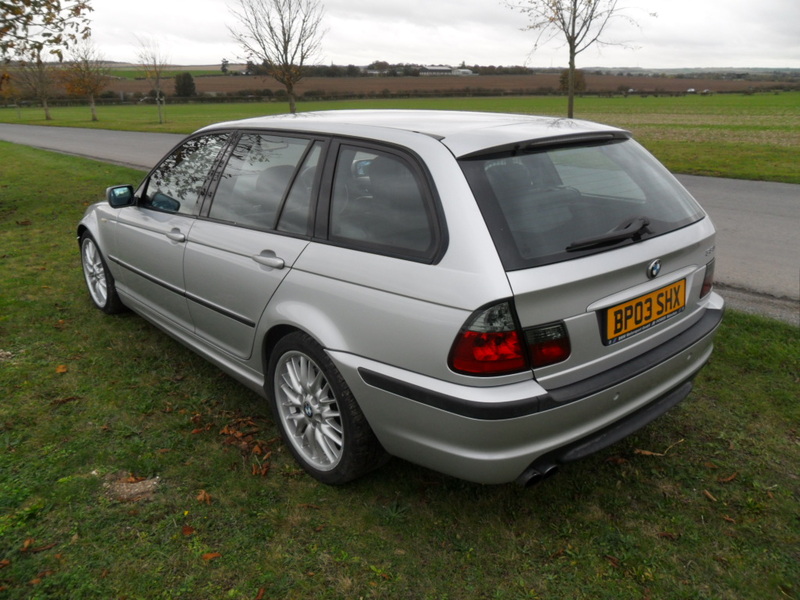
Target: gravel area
<point>782,309</point>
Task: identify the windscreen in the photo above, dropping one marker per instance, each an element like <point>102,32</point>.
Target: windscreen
<point>554,204</point>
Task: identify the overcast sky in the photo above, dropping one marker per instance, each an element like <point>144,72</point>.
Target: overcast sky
<point>685,33</point>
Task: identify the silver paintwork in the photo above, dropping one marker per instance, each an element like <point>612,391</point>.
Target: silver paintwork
<point>223,290</point>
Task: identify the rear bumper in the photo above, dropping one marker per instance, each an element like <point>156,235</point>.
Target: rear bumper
<point>496,435</point>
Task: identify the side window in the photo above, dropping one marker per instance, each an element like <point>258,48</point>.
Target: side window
<point>296,214</point>
<point>177,183</point>
<point>256,178</point>
<point>378,201</point>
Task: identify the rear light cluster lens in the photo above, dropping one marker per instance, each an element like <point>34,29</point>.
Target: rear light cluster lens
<point>491,343</point>
<point>708,280</point>
<point>548,344</point>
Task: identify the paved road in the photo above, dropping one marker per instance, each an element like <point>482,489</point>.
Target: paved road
<point>758,223</point>
<point>129,148</point>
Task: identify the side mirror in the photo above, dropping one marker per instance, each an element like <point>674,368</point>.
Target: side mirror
<point>119,196</point>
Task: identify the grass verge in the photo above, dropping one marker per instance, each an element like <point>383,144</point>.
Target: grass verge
<point>130,468</point>
<point>740,136</point>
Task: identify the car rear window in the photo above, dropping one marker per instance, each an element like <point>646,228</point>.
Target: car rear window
<point>543,206</point>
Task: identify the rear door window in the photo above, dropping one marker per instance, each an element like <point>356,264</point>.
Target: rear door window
<point>380,202</point>
<point>257,178</point>
<point>545,206</point>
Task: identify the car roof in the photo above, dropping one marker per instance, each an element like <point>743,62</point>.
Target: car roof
<point>464,133</point>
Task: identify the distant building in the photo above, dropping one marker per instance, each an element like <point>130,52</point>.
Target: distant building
<point>444,71</point>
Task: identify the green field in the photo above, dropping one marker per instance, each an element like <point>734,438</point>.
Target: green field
<point>138,72</point>
<point>130,468</point>
<point>727,135</point>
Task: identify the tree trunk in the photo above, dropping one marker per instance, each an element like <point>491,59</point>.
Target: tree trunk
<point>159,104</point>
<point>94,109</point>
<point>292,99</point>
<point>46,108</point>
<point>571,85</point>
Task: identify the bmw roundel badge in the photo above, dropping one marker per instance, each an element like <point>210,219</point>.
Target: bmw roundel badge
<point>653,269</point>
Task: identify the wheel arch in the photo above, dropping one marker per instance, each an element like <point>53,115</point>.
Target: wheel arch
<point>289,316</point>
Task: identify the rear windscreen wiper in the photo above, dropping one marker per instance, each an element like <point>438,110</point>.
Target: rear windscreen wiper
<point>630,229</point>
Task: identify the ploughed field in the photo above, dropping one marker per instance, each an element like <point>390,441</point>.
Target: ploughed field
<point>478,84</point>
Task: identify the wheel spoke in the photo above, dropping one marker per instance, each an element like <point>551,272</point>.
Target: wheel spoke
<point>332,434</point>
<point>331,454</point>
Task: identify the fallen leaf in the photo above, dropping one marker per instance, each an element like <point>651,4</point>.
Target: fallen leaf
<point>729,519</point>
<point>613,560</point>
<point>668,535</point>
<point>4,563</point>
<point>728,479</point>
<point>62,369</point>
<point>211,556</point>
<point>616,460</point>
<point>204,496</point>
<point>261,593</point>
<point>43,548</point>
<point>709,495</point>
<point>187,530</point>
<point>61,401</point>
<point>710,465</point>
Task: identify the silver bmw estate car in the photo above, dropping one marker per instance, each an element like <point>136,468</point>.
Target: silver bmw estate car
<point>488,295</point>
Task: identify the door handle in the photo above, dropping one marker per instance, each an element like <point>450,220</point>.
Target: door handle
<point>269,259</point>
<point>176,236</point>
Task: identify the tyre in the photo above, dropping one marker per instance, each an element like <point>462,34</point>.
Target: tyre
<point>98,278</point>
<point>317,414</point>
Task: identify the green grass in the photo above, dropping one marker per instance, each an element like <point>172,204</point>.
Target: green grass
<point>728,135</point>
<point>710,510</point>
<point>138,72</point>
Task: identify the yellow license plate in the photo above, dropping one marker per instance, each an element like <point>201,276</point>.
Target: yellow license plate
<point>644,312</point>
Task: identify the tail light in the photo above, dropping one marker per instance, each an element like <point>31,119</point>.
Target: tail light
<point>491,343</point>
<point>548,344</point>
<point>708,280</point>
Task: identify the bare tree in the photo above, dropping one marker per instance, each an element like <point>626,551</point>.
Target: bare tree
<point>283,34</point>
<point>581,22</point>
<point>154,62</point>
<point>37,77</point>
<point>86,74</point>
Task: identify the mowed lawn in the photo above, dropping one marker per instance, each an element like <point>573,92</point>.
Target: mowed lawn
<point>743,136</point>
